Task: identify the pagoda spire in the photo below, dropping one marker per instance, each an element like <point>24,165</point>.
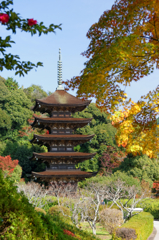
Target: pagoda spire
<point>59,78</point>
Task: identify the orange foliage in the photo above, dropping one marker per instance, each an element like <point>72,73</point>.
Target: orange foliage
<point>124,47</point>
<point>7,164</point>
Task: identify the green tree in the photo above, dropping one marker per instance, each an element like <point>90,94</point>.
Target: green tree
<point>35,92</point>
<point>15,109</point>
<point>11,84</point>
<point>104,136</point>
<point>5,122</point>
<point>129,180</point>
<point>141,167</point>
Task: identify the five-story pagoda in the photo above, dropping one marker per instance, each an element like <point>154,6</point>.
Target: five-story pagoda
<point>61,158</point>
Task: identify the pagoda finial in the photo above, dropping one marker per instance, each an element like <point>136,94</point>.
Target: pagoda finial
<point>59,63</point>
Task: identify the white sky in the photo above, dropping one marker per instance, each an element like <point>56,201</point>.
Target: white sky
<point>76,18</point>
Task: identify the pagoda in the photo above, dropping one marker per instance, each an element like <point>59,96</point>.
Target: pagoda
<point>61,140</point>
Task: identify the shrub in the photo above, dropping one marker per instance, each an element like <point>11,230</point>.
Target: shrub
<point>61,212</point>
<point>111,219</point>
<point>40,210</point>
<point>151,206</point>
<point>18,218</point>
<point>142,223</point>
<point>16,174</point>
<point>126,233</point>
<point>49,201</point>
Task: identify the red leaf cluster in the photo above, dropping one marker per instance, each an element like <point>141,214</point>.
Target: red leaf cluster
<point>156,185</point>
<point>7,164</point>
<point>69,233</point>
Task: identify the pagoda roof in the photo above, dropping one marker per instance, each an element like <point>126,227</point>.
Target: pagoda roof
<point>63,173</point>
<point>60,120</point>
<point>62,98</point>
<point>62,155</point>
<point>67,137</point>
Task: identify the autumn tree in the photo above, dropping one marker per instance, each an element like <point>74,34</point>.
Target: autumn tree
<point>124,47</point>
<point>12,21</point>
<point>110,159</point>
<point>10,168</point>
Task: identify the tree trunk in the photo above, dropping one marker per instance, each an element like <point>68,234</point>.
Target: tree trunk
<point>94,230</point>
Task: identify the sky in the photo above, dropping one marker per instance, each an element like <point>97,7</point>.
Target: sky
<point>76,18</point>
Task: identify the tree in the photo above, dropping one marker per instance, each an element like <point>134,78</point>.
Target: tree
<point>141,167</point>
<point>10,168</point>
<point>104,136</point>
<point>15,109</point>
<point>124,48</point>
<point>11,84</point>
<point>35,193</point>
<point>15,131</point>
<point>35,92</point>
<point>111,159</point>
<point>12,21</point>
<point>7,164</point>
<point>22,150</point>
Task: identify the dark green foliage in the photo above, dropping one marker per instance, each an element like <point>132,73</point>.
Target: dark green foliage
<point>20,221</point>
<point>142,167</point>
<point>5,122</point>
<point>142,223</point>
<point>104,136</point>
<point>15,112</point>
<point>23,150</point>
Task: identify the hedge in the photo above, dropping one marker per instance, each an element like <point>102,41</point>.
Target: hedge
<point>142,223</point>
<point>151,206</point>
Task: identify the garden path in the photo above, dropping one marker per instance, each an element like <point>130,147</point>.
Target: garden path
<point>156,225</point>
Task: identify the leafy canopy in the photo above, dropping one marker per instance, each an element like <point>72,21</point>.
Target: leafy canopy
<point>124,47</point>
<point>141,167</point>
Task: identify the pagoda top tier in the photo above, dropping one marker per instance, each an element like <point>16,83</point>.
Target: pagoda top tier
<point>60,100</point>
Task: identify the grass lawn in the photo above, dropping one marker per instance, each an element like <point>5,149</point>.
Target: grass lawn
<point>100,231</point>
